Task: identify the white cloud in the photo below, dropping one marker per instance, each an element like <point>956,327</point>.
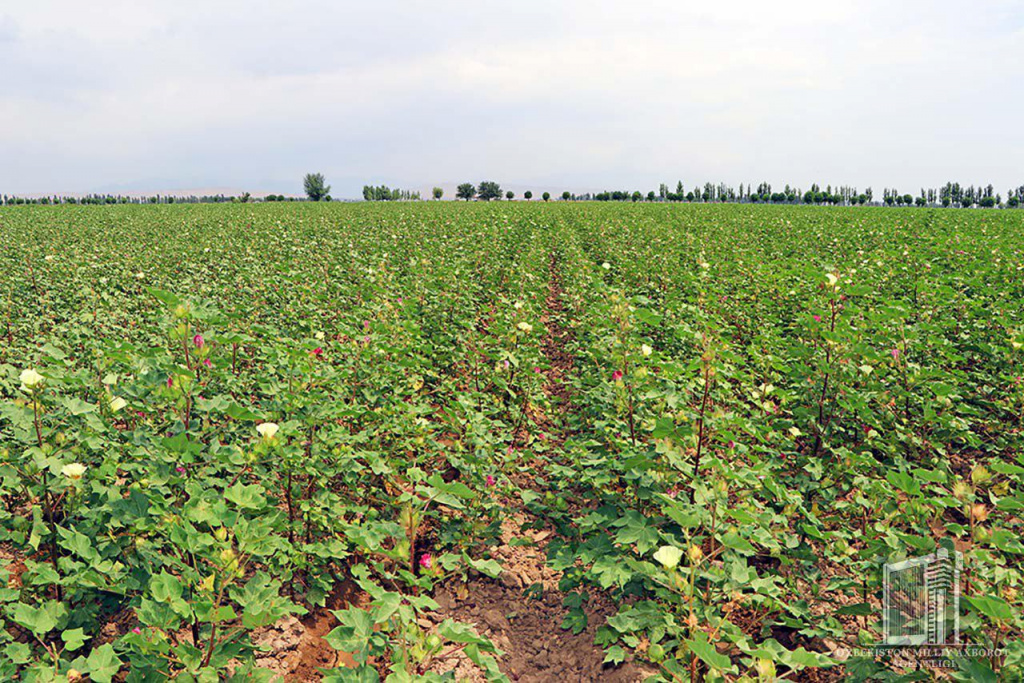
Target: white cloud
<point>115,93</point>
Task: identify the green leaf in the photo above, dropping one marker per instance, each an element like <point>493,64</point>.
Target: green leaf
<point>39,620</point>
<point>733,540</point>
<point>385,606</point>
<point>18,653</point>
<point>248,496</point>
<point>635,530</point>
<point>487,567</point>
<point>164,296</point>
<point>462,633</point>
<point>74,638</point>
<point>615,655</point>
<point>856,609</point>
<point>103,663</point>
<point>262,603</point>
<point>700,646</point>
<point>904,482</point>
<point>237,412</point>
<point>354,634</point>
<point>993,607</point>
<point>165,587</point>
<point>77,406</point>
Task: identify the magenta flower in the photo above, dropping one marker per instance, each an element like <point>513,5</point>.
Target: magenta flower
<point>617,375</point>
<point>136,630</point>
<point>506,364</point>
<point>198,341</point>
<point>366,339</point>
<point>366,324</point>
<point>318,352</point>
<point>536,369</point>
<point>179,469</point>
<point>426,561</point>
<point>895,353</point>
<point>207,362</point>
<point>490,480</point>
<point>170,381</point>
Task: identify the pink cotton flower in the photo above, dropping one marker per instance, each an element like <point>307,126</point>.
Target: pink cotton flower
<point>208,363</point>
<point>366,324</point>
<point>137,630</point>
<point>490,480</point>
<point>170,381</point>
<point>179,469</point>
<point>895,353</point>
<point>366,339</point>
<point>817,318</point>
<point>198,341</point>
<point>536,369</point>
<point>426,561</point>
<point>617,375</point>
<point>318,352</point>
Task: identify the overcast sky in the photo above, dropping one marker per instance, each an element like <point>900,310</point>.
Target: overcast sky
<point>107,96</point>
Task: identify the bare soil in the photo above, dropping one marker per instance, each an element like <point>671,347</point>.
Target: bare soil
<point>522,611</point>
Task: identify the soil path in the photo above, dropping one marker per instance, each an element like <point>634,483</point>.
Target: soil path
<point>522,611</point>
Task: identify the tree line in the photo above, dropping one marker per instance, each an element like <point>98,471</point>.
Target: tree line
<point>383,193</point>
<point>949,195</point>
<point>316,188</point>
<point>106,199</point>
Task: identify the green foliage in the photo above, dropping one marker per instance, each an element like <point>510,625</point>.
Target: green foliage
<point>235,410</point>
<point>488,190</point>
<point>316,187</point>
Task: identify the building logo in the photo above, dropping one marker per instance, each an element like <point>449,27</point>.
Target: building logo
<point>921,600</point>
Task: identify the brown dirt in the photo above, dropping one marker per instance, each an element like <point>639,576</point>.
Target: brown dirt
<point>296,649</point>
<point>522,611</point>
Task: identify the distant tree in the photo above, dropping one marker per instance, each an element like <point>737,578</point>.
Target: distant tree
<point>316,187</point>
<point>528,195</point>
<point>546,196</point>
<point>509,195</point>
<point>438,193</point>
<point>488,190</point>
<point>1013,202</point>
<point>466,191</point>
<point>920,201</point>
<point>245,198</point>
<point>987,202</point>
<point>650,196</point>
<point>566,196</point>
